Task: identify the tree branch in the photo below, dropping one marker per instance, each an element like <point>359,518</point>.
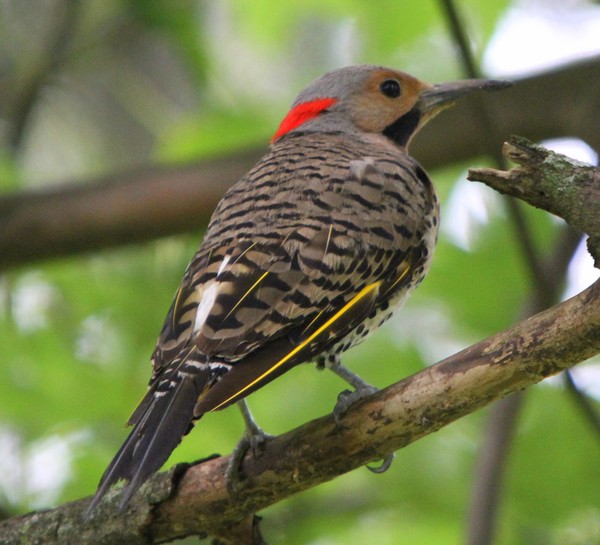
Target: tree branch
<point>554,182</point>
<point>489,470</point>
<point>546,282</point>
<point>134,207</point>
<point>195,500</point>
<point>115,210</point>
<point>585,405</point>
<point>551,181</point>
<point>65,17</point>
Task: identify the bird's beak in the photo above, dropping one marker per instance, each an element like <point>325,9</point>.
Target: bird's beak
<point>438,97</point>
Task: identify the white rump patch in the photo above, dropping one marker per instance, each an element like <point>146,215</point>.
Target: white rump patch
<point>224,264</point>
<point>205,306</point>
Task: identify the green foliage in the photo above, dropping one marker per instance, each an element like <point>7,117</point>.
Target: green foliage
<point>9,173</point>
<point>378,21</point>
<point>213,132</point>
<point>177,19</point>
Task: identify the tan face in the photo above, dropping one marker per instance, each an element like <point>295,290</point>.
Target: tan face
<point>386,96</point>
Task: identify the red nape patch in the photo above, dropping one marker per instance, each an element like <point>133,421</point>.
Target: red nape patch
<point>301,114</point>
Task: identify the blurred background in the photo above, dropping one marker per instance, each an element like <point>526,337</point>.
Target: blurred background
<point>118,94</point>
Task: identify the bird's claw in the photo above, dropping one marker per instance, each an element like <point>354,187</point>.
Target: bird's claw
<point>385,464</point>
<point>347,398</point>
<point>255,443</point>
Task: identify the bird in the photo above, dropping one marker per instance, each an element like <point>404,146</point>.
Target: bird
<point>309,252</point>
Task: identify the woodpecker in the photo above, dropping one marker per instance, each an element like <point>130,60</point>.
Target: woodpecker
<point>308,253</point>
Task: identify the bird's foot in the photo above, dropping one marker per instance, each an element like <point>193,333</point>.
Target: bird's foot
<point>236,480</point>
<point>347,398</point>
<point>254,440</point>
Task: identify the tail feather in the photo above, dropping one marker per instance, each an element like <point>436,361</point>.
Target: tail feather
<point>158,430</point>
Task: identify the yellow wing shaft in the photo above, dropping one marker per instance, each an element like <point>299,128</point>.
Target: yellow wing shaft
<point>367,290</point>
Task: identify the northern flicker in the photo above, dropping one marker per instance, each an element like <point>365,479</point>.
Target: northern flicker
<point>304,256</point>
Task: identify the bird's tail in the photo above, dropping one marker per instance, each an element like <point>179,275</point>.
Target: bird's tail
<point>163,417</point>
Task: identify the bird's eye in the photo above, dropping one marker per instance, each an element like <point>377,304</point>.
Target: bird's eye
<point>390,88</point>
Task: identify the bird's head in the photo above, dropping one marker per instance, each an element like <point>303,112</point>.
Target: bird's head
<point>373,99</point>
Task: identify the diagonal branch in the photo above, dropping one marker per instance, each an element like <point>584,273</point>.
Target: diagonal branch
<point>546,281</point>
<point>66,14</point>
<point>195,500</point>
<point>565,187</point>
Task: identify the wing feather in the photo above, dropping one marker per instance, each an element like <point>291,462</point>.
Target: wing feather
<point>285,295</point>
